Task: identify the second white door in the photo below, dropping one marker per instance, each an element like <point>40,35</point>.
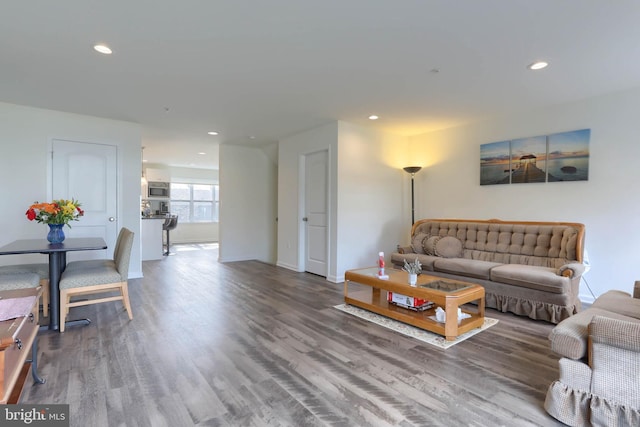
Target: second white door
<point>315,217</point>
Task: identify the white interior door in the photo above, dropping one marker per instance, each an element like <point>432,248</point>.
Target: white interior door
<point>316,213</point>
<point>87,172</point>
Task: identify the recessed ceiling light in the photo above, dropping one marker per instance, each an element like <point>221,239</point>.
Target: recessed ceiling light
<point>202,153</point>
<point>252,137</point>
<point>538,65</point>
<point>212,132</point>
<point>373,117</point>
<point>102,49</point>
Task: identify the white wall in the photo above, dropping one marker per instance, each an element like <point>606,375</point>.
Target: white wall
<point>374,205</point>
<point>25,138</point>
<point>368,195</point>
<point>248,195</point>
<point>291,152</point>
<point>607,203</point>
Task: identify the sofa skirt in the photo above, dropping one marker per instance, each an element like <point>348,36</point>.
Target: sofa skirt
<point>533,303</point>
<point>580,408</point>
<point>533,309</point>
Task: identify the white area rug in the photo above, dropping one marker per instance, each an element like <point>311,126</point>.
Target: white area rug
<point>411,331</point>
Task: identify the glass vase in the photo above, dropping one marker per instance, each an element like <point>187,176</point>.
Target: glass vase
<point>413,279</point>
<point>56,233</point>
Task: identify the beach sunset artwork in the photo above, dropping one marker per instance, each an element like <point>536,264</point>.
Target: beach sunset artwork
<point>568,158</point>
<point>548,158</point>
<point>495,163</point>
<point>528,157</point>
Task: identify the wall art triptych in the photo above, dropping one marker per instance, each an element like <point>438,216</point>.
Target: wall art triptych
<point>548,158</point>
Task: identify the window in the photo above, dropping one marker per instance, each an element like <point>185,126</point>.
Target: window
<point>195,202</point>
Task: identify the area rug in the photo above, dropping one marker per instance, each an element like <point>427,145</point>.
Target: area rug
<point>411,331</point>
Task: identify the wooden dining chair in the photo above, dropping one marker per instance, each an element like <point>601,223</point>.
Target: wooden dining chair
<point>42,270</point>
<point>98,277</point>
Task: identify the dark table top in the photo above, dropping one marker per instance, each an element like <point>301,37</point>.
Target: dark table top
<point>31,246</point>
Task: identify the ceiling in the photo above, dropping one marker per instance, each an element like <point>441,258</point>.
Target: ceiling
<point>259,71</point>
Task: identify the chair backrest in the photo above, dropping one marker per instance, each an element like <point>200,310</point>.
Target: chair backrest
<point>122,252</point>
<point>118,243</point>
<point>170,223</point>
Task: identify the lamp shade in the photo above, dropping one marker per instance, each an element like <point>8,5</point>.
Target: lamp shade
<point>412,169</point>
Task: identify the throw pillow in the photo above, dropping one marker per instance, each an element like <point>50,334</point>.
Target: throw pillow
<point>429,245</point>
<point>416,242</point>
<point>448,247</point>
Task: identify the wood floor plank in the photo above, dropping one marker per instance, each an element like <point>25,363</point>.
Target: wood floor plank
<point>251,344</point>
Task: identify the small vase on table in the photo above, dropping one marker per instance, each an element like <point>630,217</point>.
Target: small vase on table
<point>413,279</point>
<point>412,270</point>
<point>56,233</point>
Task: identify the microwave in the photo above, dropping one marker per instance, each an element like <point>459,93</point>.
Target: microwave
<point>158,190</point>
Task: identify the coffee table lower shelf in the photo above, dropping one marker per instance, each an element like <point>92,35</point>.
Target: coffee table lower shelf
<point>375,301</point>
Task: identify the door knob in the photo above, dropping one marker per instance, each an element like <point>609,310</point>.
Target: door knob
<point>111,219</point>
<point>305,219</point>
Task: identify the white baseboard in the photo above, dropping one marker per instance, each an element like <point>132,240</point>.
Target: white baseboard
<point>235,259</point>
<point>586,298</point>
<point>335,279</point>
<point>288,266</point>
<point>135,275</point>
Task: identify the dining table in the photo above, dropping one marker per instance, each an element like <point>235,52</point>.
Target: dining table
<point>57,253</point>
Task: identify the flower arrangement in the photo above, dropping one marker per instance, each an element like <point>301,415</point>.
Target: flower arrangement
<point>412,268</point>
<point>57,212</point>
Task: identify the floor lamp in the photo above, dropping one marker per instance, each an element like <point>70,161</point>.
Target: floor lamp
<point>412,170</point>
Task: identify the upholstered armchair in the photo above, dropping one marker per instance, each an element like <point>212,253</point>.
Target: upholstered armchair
<point>98,280</point>
<point>599,381</point>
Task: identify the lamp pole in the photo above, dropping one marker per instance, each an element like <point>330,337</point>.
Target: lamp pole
<point>412,170</point>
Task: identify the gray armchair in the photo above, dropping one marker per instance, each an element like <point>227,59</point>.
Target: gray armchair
<point>599,381</point>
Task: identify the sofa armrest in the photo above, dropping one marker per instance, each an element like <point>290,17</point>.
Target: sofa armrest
<point>614,357</point>
<point>575,374</point>
<point>404,249</point>
<point>614,333</point>
<point>636,290</point>
<point>574,269</point>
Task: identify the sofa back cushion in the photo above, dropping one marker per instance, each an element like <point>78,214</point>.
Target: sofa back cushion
<point>416,242</point>
<point>541,244</point>
<point>448,247</point>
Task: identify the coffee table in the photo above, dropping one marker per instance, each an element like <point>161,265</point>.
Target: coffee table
<point>363,288</point>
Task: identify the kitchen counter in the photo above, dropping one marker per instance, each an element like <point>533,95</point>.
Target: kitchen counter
<point>154,217</point>
<point>151,237</point>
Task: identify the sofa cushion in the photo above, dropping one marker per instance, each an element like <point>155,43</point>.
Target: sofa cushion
<point>619,302</point>
<point>10,281</point>
<point>416,242</point>
<point>465,267</point>
<point>426,260</point>
<point>526,276</point>
<point>429,245</point>
<point>448,247</point>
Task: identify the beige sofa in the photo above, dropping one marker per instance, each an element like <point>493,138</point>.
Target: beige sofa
<point>527,268</point>
<point>599,381</point>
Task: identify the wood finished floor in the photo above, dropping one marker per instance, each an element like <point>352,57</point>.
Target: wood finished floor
<point>250,344</point>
